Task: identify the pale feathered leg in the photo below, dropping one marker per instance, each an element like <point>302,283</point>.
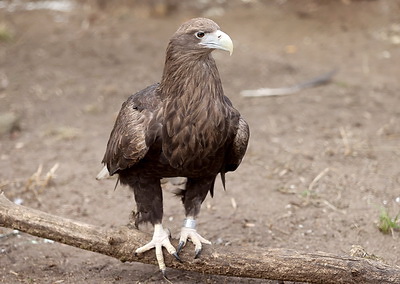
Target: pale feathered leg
<point>160,239</point>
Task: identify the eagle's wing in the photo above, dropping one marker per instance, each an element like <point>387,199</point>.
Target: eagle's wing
<point>238,147</point>
<point>133,131</point>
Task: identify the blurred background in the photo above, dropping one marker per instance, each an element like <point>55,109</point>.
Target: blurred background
<point>322,169</point>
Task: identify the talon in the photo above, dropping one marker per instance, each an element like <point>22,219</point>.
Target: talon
<point>177,257</point>
<point>180,246</point>
<point>197,240</point>
<point>197,253</point>
<point>160,239</point>
<point>164,274</point>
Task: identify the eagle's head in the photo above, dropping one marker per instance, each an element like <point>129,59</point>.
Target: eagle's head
<point>200,35</point>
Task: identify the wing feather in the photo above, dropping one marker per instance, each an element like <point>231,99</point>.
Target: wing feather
<point>133,131</point>
<point>238,149</point>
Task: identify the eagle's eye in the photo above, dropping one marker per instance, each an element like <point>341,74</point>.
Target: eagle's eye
<point>200,34</point>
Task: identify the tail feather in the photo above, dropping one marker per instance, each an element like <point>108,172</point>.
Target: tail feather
<point>103,174</point>
<point>223,179</point>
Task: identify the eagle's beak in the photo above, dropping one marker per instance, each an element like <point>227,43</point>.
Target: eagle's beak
<point>217,40</point>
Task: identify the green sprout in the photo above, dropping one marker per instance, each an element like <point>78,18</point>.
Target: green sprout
<point>5,33</point>
<point>386,223</point>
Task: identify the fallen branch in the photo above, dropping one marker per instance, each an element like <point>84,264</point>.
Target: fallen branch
<point>278,264</point>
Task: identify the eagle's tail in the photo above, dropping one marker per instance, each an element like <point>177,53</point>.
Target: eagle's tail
<point>103,174</point>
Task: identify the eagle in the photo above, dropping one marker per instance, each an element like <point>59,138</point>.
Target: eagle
<point>183,126</point>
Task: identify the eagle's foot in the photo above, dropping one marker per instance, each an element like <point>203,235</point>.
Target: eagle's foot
<point>160,239</point>
<point>197,240</point>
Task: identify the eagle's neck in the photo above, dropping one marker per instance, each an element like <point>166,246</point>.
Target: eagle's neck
<point>194,113</point>
<point>194,76</point>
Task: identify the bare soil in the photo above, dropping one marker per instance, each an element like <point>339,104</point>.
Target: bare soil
<point>320,166</point>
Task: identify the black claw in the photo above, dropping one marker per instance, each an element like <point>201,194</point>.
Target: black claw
<point>180,246</point>
<point>177,257</point>
<point>164,274</point>
<point>197,253</point>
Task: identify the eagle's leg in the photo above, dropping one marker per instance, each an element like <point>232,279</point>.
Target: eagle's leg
<point>189,231</point>
<point>160,239</point>
<point>149,201</point>
<point>194,195</point>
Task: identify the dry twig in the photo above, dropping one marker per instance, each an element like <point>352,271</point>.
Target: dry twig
<point>265,92</point>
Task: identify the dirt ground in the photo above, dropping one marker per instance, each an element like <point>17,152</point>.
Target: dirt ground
<point>320,166</point>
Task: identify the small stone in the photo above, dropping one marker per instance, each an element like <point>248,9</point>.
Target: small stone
<point>9,122</point>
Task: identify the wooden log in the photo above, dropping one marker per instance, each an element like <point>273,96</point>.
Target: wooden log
<point>265,263</point>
